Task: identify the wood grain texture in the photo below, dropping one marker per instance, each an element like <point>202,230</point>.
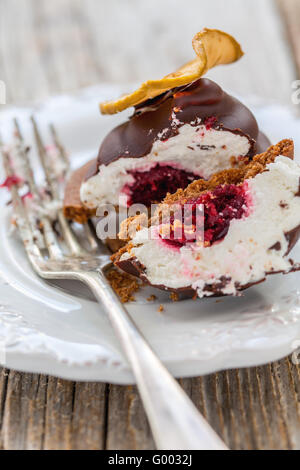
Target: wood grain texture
<point>49,47</point>
<point>24,412</point>
<point>256,408</point>
<point>290,10</point>
<point>89,423</point>
<point>59,46</point>
<point>128,428</point>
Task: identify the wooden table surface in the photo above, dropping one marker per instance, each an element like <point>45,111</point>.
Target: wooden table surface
<point>56,46</point>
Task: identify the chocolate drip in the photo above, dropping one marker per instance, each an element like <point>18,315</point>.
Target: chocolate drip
<point>276,246</point>
<point>154,120</point>
<point>298,192</point>
<point>292,238</point>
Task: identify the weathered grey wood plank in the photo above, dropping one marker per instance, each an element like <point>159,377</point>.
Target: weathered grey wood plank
<point>249,408</point>
<point>252,408</point>
<point>89,424</point>
<point>3,389</point>
<point>58,416</point>
<point>41,413</point>
<point>24,410</point>
<point>286,380</point>
<point>128,428</point>
<point>256,408</point>
<point>61,45</point>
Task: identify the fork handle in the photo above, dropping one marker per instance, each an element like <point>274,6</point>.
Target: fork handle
<point>175,422</point>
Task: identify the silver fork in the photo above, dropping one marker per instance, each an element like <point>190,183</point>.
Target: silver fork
<point>175,422</point>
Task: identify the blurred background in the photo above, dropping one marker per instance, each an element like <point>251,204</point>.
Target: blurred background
<point>49,47</point>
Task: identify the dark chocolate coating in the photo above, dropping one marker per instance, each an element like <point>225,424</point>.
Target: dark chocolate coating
<point>135,268</point>
<point>200,100</point>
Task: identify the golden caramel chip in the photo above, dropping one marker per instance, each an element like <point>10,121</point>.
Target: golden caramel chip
<point>213,47</point>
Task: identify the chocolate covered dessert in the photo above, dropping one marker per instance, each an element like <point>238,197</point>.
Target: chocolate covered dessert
<point>249,223</point>
<point>177,134</point>
<point>185,134</point>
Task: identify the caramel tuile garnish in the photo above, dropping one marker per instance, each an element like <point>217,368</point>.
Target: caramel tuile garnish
<point>212,47</point>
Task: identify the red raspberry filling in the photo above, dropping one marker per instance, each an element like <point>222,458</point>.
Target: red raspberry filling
<point>11,181</point>
<point>209,122</point>
<point>217,209</point>
<point>151,187</point>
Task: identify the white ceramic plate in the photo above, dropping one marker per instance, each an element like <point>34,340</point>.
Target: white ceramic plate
<point>60,330</point>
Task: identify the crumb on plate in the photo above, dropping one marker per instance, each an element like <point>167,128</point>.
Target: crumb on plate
<point>174,296</point>
<point>123,284</point>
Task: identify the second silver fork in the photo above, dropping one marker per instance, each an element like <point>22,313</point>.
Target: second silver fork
<point>175,422</point>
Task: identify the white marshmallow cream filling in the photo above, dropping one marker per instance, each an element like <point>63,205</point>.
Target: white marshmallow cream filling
<point>245,255</point>
<point>195,149</point>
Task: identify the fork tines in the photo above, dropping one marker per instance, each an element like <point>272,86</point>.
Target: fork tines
<point>61,149</point>
<point>21,216</point>
<point>38,209</point>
